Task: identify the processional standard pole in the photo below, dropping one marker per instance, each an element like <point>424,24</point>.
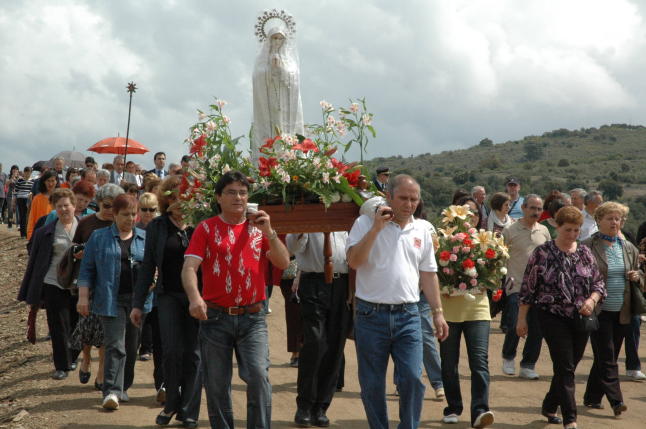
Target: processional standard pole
<point>132,88</point>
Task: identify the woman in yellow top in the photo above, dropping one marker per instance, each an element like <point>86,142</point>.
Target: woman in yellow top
<point>470,319</point>
<point>40,205</point>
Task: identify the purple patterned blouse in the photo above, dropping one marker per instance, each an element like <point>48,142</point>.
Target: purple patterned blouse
<point>545,285</point>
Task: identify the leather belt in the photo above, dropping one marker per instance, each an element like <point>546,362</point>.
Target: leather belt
<point>386,307</point>
<point>315,275</point>
<point>237,311</point>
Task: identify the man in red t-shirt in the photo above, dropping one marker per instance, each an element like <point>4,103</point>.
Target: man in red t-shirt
<point>233,252</point>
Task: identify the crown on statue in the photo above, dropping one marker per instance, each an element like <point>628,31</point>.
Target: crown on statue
<point>268,15</point>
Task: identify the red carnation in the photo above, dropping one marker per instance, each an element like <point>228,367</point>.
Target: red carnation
<point>490,254</point>
<point>340,167</point>
<point>306,146</point>
<point>445,255</point>
<point>353,178</point>
<point>467,243</point>
<point>468,263</point>
<point>497,296</point>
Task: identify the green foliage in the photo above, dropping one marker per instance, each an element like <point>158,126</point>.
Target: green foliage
<point>486,142</point>
<point>533,151</point>
<point>611,189</point>
<point>563,162</point>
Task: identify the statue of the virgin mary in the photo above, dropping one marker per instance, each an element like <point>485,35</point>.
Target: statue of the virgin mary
<point>277,107</point>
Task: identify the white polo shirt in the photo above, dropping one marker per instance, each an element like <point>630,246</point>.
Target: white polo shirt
<point>391,273</point>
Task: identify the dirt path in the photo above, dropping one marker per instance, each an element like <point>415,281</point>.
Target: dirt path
<point>25,383</point>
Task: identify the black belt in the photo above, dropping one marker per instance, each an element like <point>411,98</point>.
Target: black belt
<point>313,275</point>
<point>237,311</point>
<point>386,307</point>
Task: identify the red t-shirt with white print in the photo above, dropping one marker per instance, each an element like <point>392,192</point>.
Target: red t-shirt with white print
<point>234,261</point>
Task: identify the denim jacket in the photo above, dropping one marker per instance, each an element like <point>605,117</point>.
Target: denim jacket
<point>101,268</point>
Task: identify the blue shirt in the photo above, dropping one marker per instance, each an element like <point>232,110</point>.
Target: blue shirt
<point>616,278</point>
<point>515,210</point>
<point>101,268</point>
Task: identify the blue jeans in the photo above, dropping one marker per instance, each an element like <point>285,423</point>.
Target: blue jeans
<point>246,335</point>
<point>382,331</point>
<point>121,340</point>
<point>432,362</point>
<point>476,337</point>
<point>632,343</point>
<point>534,340</point>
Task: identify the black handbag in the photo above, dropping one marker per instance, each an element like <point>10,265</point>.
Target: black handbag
<point>637,300</point>
<point>586,324</point>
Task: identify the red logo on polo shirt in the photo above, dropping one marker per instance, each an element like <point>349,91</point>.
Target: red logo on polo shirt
<point>417,242</point>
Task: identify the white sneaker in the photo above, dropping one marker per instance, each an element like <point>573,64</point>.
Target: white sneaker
<point>635,374</point>
<point>111,402</point>
<point>483,420</point>
<point>450,419</point>
<point>439,393</point>
<point>528,374</point>
<point>508,367</point>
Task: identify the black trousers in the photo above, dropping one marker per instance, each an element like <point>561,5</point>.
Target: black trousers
<point>21,207</point>
<point>62,317</point>
<point>566,346</point>
<point>604,374</point>
<point>146,345</point>
<point>182,363</point>
<point>151,343</point>
<point>326,320</point>
<point>292,317</point>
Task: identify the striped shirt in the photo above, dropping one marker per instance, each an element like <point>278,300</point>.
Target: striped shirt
<point>616,278</point>
<point>23,188</point>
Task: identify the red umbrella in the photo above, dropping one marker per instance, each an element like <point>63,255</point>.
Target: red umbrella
<point>118,145</point>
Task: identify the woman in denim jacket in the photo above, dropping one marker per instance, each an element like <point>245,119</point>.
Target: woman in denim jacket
<point>109,271</point>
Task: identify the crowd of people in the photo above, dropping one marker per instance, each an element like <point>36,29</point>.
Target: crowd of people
<point>117,268</point>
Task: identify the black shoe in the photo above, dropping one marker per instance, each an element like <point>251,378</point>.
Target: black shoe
<point>320,419</point>
<point>98,386</point>
<point>619,408</point>
<point>84,377</point>
<point>552,419</point>
<point>189,423</point>
<point>293,362</point>
<point>59,374</point>
<point>303,418</point>
<point>163,419</point>
<point>596,406</point>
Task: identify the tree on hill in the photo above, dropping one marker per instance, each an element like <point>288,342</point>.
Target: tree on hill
<point>486,142</point>
<point>611,189</point>
<point>533,151</point>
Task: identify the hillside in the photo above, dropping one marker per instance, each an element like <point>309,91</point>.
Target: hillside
<point>610,158</point>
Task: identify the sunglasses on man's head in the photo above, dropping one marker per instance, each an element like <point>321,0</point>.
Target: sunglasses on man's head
<point>148,209</point>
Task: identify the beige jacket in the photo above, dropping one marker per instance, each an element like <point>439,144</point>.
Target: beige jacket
<point>631,262</point>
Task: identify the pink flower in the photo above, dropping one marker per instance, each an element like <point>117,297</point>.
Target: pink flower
<point>453,258</point>
<point>462,286</point>
<point>446,270</point>
<point>466,249</point>
<point>354,107</point>
<point>467,225</point>
<point>473,282</point>
<point>460,236</point>
<point>473,231</point>
<point>456,249</point>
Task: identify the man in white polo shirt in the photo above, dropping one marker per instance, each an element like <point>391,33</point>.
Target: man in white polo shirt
<point>393,255</point>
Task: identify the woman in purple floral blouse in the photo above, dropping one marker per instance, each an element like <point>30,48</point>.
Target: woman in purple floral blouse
<point>561,280</point>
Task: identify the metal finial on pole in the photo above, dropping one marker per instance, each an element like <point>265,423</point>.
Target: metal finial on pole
<point>132,88</point>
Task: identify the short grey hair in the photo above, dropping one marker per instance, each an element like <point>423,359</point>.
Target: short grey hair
<point>109,191</point>
<point>580,191</point>
<point>103,173</point>
<point>530,197</point>
<point>396,181</point>
<point>591,196</point>
<point>118,157</point>
<point>59,158</point>
<point>476,189</point>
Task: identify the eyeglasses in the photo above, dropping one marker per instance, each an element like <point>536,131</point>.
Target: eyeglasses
<point>106,206</point>
<point>232,193</point>
<point>183,238</point>
<point>148,209</point>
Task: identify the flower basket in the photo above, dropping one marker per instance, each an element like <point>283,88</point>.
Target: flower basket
<point>470,261</point>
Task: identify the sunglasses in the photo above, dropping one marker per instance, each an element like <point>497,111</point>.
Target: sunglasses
<point>148,209</point>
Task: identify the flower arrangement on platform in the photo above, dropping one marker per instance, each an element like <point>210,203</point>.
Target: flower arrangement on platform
<point>291,168</point>
<point>470,261</point>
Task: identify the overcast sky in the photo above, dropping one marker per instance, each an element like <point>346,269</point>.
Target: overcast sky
<point>438,74</point>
